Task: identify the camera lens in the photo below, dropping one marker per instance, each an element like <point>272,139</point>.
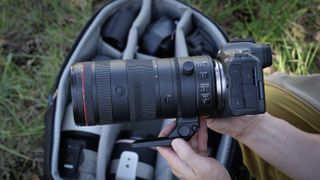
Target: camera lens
<point>118,91</point>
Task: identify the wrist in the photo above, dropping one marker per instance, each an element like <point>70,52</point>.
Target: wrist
<point>249,126</point>
<point>214,170</point>
<point>223,174</point>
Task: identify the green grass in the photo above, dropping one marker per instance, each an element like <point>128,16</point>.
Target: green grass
<point>292,28</point>
<point>35,36</point>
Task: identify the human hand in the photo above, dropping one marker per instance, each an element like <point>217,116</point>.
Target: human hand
<point>237,127</point>
<point>190,160</point>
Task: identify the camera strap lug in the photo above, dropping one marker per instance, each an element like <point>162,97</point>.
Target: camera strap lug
<point>185,129</point>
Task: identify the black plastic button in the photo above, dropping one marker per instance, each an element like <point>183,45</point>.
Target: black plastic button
<point>184,131</point>
<point>204,75</point>
<point>188,68</point>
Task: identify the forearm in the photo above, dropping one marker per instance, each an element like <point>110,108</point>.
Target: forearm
<point>292,151</point>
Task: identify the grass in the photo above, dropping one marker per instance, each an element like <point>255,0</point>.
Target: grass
<point>292,28</point>
<point>35,36</point>
<point>34,39</point>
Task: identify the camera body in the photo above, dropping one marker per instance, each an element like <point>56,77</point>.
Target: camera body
<point>243,89</point>
<point>116,91</point>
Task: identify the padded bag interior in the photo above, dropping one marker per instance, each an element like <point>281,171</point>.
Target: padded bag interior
<point>91,45</point>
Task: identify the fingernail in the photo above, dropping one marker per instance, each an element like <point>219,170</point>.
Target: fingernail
<point>177,142</point>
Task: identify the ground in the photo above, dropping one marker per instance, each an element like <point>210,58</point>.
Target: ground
<point>35,36</point>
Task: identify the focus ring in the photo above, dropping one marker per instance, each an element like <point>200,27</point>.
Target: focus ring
<point>104,92</point>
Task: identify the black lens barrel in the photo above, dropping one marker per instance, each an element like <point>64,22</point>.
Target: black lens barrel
<point>116,91</point>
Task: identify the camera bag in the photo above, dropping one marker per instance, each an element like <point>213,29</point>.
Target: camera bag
<point>148,30</point>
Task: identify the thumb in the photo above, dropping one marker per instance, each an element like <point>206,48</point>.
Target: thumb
<point>185,152</point>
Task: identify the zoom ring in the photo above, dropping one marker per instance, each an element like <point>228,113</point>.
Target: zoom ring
<point>141,91</point>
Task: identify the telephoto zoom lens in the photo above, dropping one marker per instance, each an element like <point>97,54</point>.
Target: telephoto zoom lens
<point>116,91</point>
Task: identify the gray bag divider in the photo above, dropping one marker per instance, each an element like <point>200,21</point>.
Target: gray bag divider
<point>143,56</point>
<point>172,9</point>
<point>109,134</point>
<point>137,29</point>
<point>91,44</point>
<point>184,27</point>
<point>108,50</point>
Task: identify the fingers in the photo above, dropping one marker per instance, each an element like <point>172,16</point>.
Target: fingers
<point>203,136</point>
<point>221,125</point>
<point>194,141</point>
<point>177,165</point>
<point>189,165</point>
<point>174,161</point>
<point>185,152</point>
<point>167,130</point>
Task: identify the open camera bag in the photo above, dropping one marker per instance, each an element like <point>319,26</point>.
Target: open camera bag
<point>90,45</point>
